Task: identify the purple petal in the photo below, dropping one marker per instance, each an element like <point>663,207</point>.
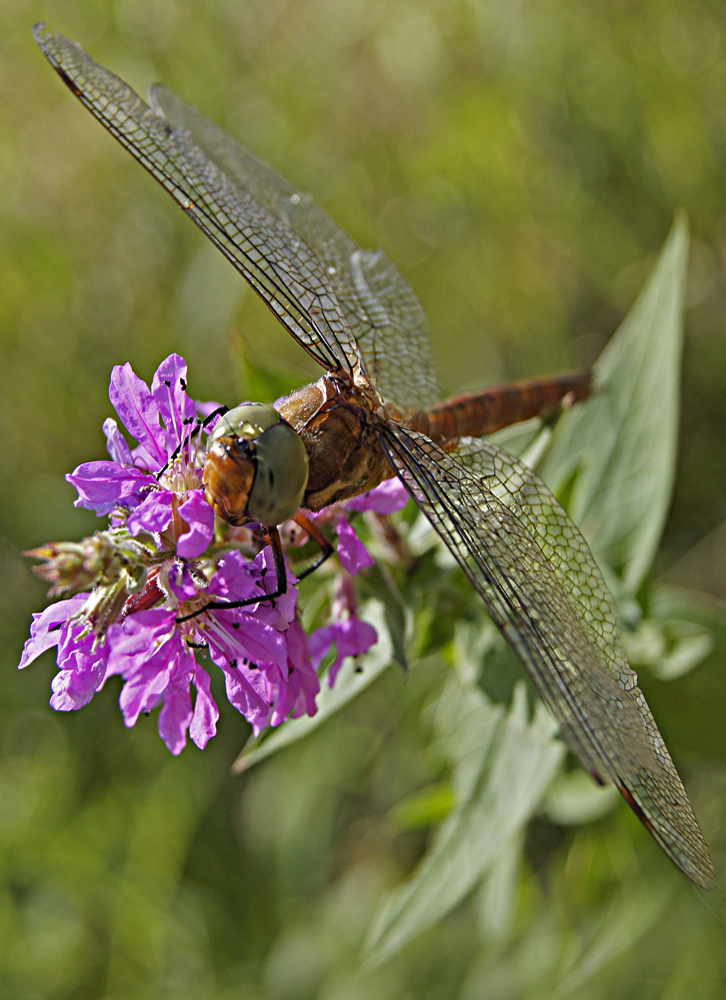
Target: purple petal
<point>154,514</point>
<point>169,391</point>
<point>282,611</point>
<point>319,642</point>
<point>206,713</point>
<point>236,635</point>
<point>116,443</point>
<point>182,583</point>
<point>148,649</point>
<point>352,553</point>
<point>101,485</point>
<point>136,638</point>
<point>199,515</point>
<point>143,460</point>
<point>236,579</point>
<point>298,693</point>
<point>139,412</point>
<point>249,695</point>
<point>352,637</point>
<point>143,691</point>
<point>387,498</point>
<point>176,713</point>
<point>45,628</point>
<point>82,673</point>
<point>141,642</point>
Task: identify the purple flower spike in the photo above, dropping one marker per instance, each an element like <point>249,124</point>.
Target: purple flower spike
<point>163,584</point>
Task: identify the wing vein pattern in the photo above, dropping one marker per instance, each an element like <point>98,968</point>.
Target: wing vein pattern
<point>535,573</point>
<point>349,308</point>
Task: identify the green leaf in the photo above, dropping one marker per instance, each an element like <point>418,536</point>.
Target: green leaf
<point>353,678</point>
<point>670,648</point>
<point>503,765</point>
<point>423,809</point>
<point>623,440</point>
<point>612,932</point>
<point>497,897</point>
<point>399,617</point>
<point>573,798</point>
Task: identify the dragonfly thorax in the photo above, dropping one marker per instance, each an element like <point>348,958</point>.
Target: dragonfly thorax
<point>256,467</point>
<point>337,419</point>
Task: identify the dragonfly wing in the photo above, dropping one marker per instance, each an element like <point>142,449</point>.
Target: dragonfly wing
<point>392,330</point>
<point>258,239</point>
<point>537,576</point>
<point>381,309</point>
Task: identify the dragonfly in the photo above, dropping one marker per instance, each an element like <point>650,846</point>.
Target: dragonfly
<point>374,414</point>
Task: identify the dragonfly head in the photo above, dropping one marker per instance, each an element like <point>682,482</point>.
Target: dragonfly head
<point>256,467</point>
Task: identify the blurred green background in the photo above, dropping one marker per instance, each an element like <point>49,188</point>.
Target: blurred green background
<point>521,163</point>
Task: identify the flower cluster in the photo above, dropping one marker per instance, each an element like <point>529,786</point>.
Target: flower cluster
<point>158,586</point>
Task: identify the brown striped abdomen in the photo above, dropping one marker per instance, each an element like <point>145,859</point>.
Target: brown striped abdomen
<point>476,413</point>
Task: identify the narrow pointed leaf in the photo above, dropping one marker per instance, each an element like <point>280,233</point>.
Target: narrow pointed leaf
<point>516,760</point>
<point>624,439</point>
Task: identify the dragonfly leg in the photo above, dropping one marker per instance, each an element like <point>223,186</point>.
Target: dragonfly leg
<point>197,645</point>
<point>272,536</point>
<point>326,547</point>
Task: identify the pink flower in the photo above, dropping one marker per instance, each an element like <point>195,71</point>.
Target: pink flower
<point>157,574</point>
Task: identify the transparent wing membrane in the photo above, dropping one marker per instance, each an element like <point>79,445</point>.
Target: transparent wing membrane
<point>284,271</point>
<point>346,306</point>
<point>381,309</point>
<point>536,575</point>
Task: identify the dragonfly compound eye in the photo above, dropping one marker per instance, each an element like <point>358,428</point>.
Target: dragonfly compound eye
<point>256,468</point>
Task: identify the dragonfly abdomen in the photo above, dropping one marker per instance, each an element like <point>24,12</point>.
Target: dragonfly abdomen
<point>476,413</point>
